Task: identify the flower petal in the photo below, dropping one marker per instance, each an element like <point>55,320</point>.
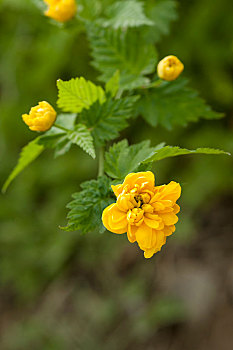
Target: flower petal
<point>131,233</point>
<point>147,179</point>
<point>169,218</point>
<point>114,219</point>
<point>151,223</point>
<point>117,189</point>
<point>176,209</point>
<point>145,236</point>
<point>160,240</point>
<point>168,230</point>
<point>171,192</point>
<point>148,253</point>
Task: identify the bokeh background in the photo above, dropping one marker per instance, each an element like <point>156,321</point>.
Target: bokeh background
<point>68,291</point>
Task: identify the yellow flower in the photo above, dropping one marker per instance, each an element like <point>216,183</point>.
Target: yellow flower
<point>40,117</point>
<point>61,10</point>
<point>169,68</point>
<point>145,211</point>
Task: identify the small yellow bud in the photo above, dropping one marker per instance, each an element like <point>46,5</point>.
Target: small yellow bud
<point>40,117</point>
<point>61,10</point>
<point>169,68</point>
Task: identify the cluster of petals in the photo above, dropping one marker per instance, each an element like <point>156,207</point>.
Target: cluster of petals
<point>169,68</point>
<point>61,10</point>
<point>40,117</point>
<point>145,211</point>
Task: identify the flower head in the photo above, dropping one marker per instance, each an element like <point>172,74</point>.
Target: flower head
<point>169,68</point>
<point>40,117</point>
<point>145,211</point>
<point>61,10</point>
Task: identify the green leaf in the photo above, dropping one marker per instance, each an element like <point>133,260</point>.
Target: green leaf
<point>172,151</point>
<point>106,120</point>
<point>62,140</point>
<point>57,138</point>
<point>173,103</point>
<point>124,14</point>
<point>161,13</point>
<point>81,136</point>
<point>126,51</point>
<point>29,153</point>
<point>112,86</point>
<point>122,159</point>
<point>76,94</point>
<point>88,204</point>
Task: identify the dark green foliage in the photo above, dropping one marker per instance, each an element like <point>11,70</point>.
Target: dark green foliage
<point>112,85</point>
<point>125,51</point>
<point>81,136</point>
<point>78,93</point>
<point>161,13</point>
<point>62,140</point>
<point>172,151</point>
<point>107,119</point>
<point>58,139</point>
<point>174,103</point>
<point>29,153</point>
<point>124,14</point>
<point>121,159</point>
<point>88,204</point>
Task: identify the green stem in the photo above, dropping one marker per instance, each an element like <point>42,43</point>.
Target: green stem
<point>101,162</point>
<point>155,84</point>
<point>60,127</point>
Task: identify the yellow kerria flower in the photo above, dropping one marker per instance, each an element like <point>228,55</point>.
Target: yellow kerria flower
<point>61,10</point>
<point>145,211</point>
<point>169,68</point>
<point>40,117</point>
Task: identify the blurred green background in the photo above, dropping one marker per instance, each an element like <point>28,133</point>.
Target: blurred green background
<point>68,291</point>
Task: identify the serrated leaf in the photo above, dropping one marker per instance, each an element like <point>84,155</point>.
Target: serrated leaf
<point>81,136</point>
<point>112,86</point>
<point>106,120</point>
<point>62,140</point>
<point>124,14</point>
<point>57,138</point>
<point>76,94</point>
<point>173,103</point>
<point>126,51</point>
<point>88,204</point>
<point>172,151</point>
<point>29,153</point>
<point>161,13</point>
<point>122,159</point>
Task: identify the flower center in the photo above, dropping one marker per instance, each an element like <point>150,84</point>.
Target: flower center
<point>135,216</point>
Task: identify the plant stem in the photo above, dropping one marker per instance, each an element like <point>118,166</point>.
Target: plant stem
<point>60,127</point>
<point>101,162</point>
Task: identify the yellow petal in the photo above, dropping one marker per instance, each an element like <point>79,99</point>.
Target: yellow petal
<point>176,209</point>
<point>171,192</point>
<point>148,253</point>
<point>117,189</point>
<point>131,233</point>
<point>169,218</point>
<point>114,219</point>
<point>145,236</point>
<point>146,179</point>
<point>151,223</point>
<point>168,230</point>
<point>124,202</point>
<point>160,240</point>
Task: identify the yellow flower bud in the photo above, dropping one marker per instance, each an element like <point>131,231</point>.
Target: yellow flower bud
<point>40,117</point>
<point>169,68</point>
<point>61,10</point>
